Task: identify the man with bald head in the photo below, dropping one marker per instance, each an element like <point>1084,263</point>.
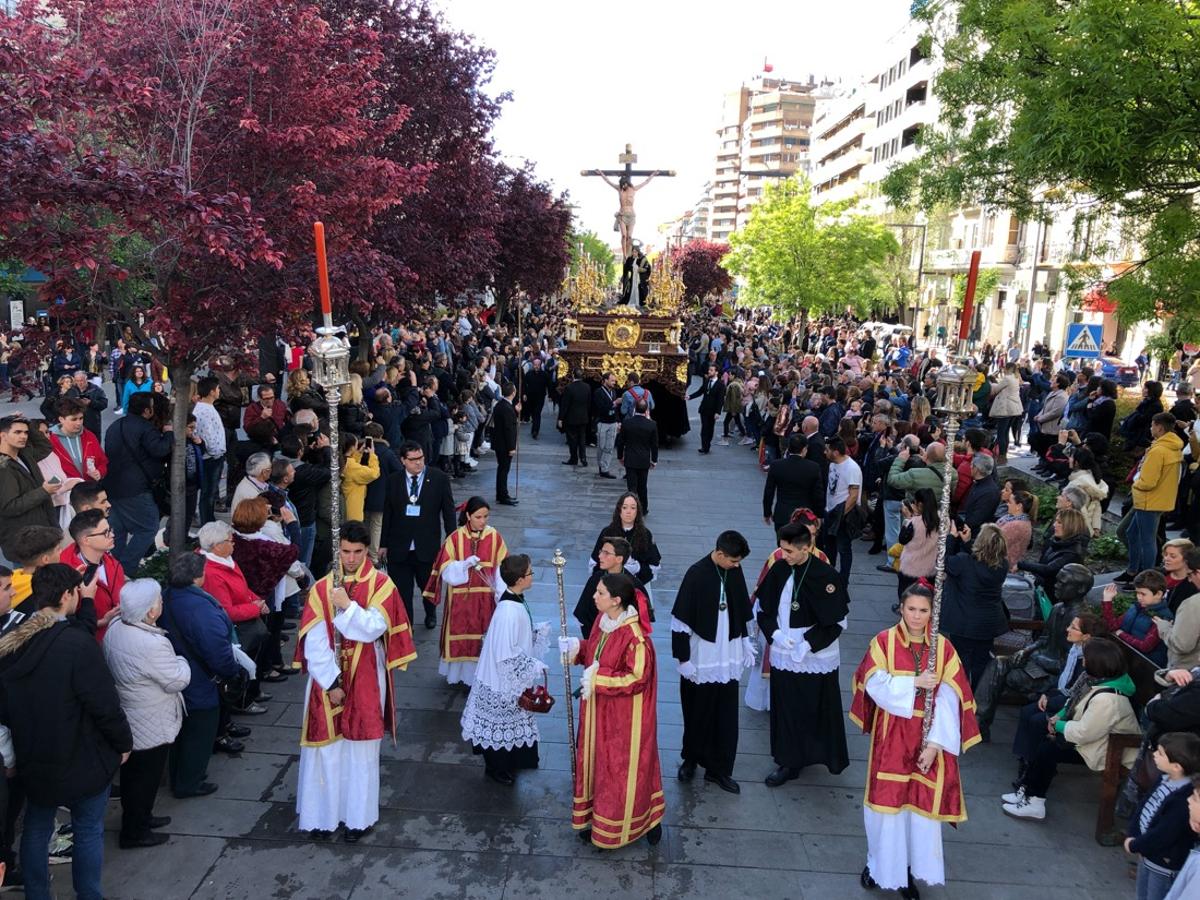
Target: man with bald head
<point>912,471</point>
<point>810,428</point>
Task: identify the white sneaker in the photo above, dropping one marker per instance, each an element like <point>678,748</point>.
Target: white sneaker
<point>746,442</point>
<point>1029,808</point>
<point>1016,797</point>
<point>485,446</point>
<point>723,442</point>
<point>470,463</point>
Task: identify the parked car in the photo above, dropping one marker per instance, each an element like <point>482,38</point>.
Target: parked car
<point>1123,373</point>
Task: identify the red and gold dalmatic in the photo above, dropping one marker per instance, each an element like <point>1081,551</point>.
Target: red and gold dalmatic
<point>358,718</point>
<point>469,606</point>
<point>618,782</point>
<point>893,781</point>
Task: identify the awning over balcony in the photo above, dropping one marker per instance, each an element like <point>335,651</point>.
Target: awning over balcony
<point>1097,300</point>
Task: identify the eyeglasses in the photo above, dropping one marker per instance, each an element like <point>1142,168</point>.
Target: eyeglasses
<point>106,533</point>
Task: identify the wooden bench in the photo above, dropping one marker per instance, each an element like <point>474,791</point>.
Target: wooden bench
<point>1141,670</point>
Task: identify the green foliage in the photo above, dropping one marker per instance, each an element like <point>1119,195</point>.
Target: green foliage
<point>985,286</point>
<point>1108,546</point>
<point>590,244</point>
<point>1121,604</point>
<point>1047,497</point>
<point>802,258</point>
<point>1047,102</point>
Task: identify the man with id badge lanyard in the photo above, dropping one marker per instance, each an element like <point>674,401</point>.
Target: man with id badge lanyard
<point>416,499</point>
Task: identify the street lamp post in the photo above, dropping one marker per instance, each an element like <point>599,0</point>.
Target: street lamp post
<point>954,386</point>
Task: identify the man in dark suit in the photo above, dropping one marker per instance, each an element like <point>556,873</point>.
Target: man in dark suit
<point>574,413</point>
<point>637,449</point>
<point>416,499</point>
<point>535,384</point>
<point>504,440</point>
<point>712,394</point>
<point>792,482</point>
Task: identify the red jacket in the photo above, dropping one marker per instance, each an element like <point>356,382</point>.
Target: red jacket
<point>108,590</point>
<point>254,413</point>
<point>91,447</point>
<point>230,588</point>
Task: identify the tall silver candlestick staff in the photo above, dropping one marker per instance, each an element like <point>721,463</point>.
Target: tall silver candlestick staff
<point>558,562</point>
<point>330,352</point>
<point>954,386</point>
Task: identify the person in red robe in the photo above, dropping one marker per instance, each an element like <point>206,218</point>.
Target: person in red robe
<point>350,638</point>
<point>912,786</point>
<point>467,574</point>
<point>618,782</point>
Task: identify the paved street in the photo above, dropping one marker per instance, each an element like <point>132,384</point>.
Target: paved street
<point>447,832</point>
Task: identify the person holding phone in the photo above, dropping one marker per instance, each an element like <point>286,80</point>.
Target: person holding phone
<point>360,467</point>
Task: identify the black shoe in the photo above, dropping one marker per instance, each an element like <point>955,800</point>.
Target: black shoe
<point>687,771</point>
<point>250,709</point>
<point>114,792</point>
<point>354,835</point>
<point>724,782</point>
<point>875,548</point>
<point>273,678</point>
<point>237,731</point>
<point>605,475</point>
<point>431,622</point>
<point>264,697</point>
<point>158,821</point>
<point>205,788</point>
<point>583,463</point>
<point>228,745</point>
<point>508,501</point>
<point>320,834</point>
<point>885,568</point>
<point>147,839</point>
<point>288,626</point>
<point>503,778</point>
<point>910,892</point>
<point>865,879</point>
<point>654,835</point>
<point>701,451</point>
<point>1125,578</point>
<point>585,835</point>
<point>570,462</point>
<point>782,775</point>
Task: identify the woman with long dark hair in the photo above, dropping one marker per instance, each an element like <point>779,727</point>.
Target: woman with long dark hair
<point>918,539</point>
<point>466,574</point>
<point>628,523</point>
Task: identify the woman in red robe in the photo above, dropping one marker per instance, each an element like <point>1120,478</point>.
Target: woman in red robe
<point>618,783</point>
<point>467,573</point>
<point>911,787</point>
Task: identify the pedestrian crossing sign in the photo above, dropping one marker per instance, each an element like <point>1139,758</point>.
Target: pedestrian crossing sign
<point>1083,341</point>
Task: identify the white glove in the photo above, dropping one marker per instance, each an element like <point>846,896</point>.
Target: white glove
<point>569,646</point>
<point>589,676</point>
<point>688,669</point>
<point>749,651</point>
<point>782,641</point>
<point>471,561</point>
<point>633,566</point>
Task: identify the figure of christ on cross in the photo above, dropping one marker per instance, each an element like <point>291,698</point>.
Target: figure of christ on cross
<point>624,186</point>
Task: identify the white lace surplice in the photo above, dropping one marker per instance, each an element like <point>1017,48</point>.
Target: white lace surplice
<point>509,663</point>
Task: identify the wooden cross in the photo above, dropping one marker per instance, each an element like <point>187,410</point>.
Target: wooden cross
<point>627,159</point>
<point>626,190</point>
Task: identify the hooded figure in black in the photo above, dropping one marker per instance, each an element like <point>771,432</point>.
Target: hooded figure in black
<point>803,605</point>
<point>710,639</point>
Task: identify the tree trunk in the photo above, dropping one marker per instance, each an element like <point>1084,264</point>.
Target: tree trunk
<point>181,376</point>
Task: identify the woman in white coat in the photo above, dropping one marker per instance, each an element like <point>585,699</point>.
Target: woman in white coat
<point>1006,408</point>
<point>150,679</point>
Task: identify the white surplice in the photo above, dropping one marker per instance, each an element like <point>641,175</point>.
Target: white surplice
<point>339,783</point>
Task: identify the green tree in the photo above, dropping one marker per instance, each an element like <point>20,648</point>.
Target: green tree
<point>1044,103</point>
<point>590,244</point>
<point>985,286</point>
<point>807,259</point>
<point>900,271</point>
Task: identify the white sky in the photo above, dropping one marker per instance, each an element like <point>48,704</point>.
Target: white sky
<point>587,78</point>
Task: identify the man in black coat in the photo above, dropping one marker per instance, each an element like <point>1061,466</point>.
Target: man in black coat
<point>574,413</point>
<point>92,397</point>
<point>712,394</point>
<point>793,482</point>
<point>137,453</point>
<point>535,383</point>
<point>417,499</point>
<point>979,507</point>
<point>637,450</point>
<point>504,441</point>
<point>69,734</point>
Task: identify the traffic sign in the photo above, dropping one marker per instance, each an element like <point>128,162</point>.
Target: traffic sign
<point>1083,341</point>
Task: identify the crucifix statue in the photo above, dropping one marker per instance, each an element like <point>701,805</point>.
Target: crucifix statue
<point>624,186</point>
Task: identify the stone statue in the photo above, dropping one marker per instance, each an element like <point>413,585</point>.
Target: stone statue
<point>1034,669</point>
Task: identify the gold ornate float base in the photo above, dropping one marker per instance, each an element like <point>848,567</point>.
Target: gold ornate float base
<point>623,341</point>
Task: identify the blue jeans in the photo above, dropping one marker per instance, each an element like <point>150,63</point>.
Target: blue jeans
<point>1142,538</point>
<point>840,550</point>
<point>210,484</point>
<point>1151,885</point>
<point>87,817</point>
<point>308,538</point>
<point>134,522</point>
<point>891,523</point>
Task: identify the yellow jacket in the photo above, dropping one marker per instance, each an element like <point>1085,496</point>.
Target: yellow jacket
<point>355,478</point>
<point>1157,482</point>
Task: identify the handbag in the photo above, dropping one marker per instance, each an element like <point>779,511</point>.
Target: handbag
<point>537,699</point>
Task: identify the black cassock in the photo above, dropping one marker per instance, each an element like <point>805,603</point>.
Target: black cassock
<point>710,707</point>
<point>807,722</point>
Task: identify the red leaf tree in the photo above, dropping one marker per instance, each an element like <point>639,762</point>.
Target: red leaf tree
<point>699,262</point>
